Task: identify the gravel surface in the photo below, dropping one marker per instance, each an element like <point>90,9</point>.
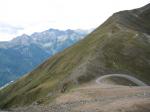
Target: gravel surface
<point>98,97</point>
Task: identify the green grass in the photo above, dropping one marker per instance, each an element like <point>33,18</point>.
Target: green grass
<point>107,50</point>
<point>46,78</point>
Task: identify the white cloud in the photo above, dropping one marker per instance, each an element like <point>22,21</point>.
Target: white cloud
<point>5,36</point>
<point>6,28</point>
<point>38,15</point>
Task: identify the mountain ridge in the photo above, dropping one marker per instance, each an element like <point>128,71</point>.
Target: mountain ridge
<point>113,48</point>
<point>24,53</point>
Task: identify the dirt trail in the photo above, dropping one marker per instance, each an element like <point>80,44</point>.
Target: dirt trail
<point>99,97</point>
<point>133,79</point>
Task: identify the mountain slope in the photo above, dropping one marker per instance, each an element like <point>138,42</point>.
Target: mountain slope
<point>120,45</point>
<point>18,60</point>
<point>24,53</point>
<point>97,98</point>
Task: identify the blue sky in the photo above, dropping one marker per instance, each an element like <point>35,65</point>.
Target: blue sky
<point>28,16</point>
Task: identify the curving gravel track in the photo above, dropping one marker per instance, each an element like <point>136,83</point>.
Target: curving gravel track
<point>133,79</point>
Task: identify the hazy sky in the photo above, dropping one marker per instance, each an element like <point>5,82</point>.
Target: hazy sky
<point>28,16</point>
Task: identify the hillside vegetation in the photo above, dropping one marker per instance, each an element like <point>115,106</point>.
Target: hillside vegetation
<point>24,53</point>
<point>119,45</point>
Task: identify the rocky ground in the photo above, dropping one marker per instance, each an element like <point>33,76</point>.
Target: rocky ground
<point>95,97</point>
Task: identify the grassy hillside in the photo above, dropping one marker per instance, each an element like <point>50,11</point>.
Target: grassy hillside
<point>24,53</point>
<point>117,46</point>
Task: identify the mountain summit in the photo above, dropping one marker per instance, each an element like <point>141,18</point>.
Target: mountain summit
<point>24,53</point>
<point>121,45</point>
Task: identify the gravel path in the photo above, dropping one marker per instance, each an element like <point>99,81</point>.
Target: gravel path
<point>98,98</point>
<point>133,79</point>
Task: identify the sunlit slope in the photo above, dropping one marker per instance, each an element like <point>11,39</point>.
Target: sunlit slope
<point>120,45</point>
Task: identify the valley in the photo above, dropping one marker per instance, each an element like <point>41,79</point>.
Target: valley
<point>24,53</point>
<point>107,71</point>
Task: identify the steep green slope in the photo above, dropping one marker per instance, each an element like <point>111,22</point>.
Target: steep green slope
<point>24,53</point>
<point>120,45</point>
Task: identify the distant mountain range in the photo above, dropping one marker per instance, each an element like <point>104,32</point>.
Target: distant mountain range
<point>24,53</point>
<point>121,45</point>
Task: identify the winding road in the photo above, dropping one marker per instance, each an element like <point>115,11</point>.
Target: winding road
<point>133,79</point>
